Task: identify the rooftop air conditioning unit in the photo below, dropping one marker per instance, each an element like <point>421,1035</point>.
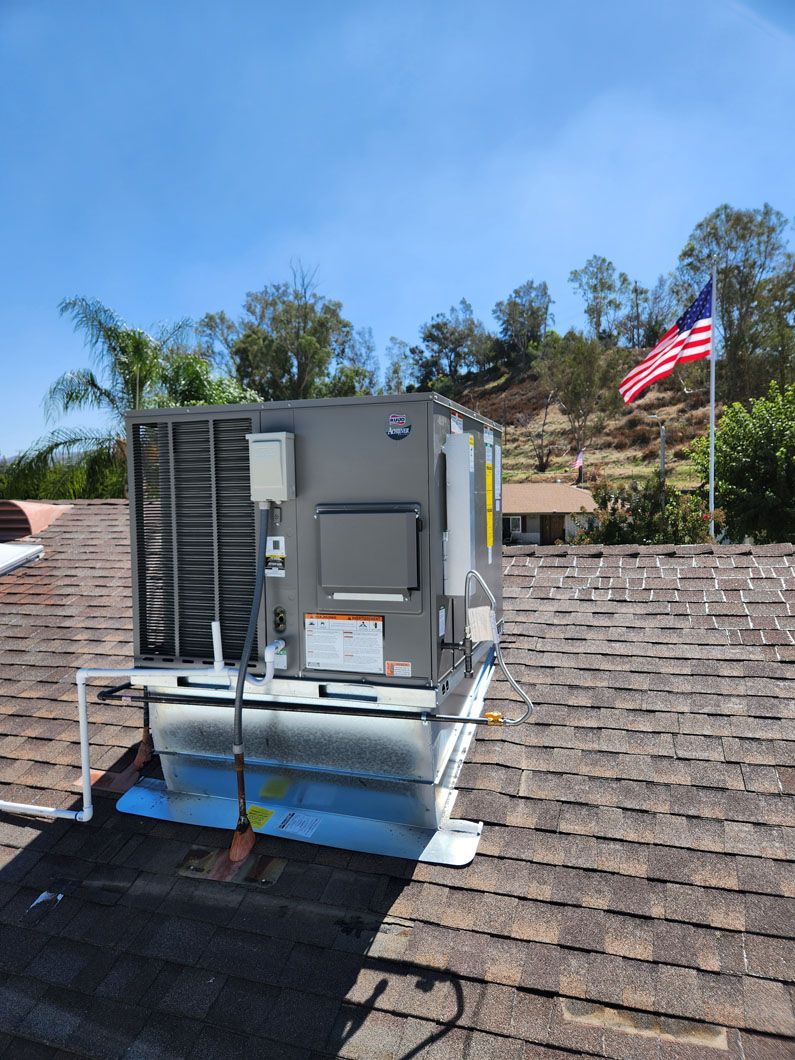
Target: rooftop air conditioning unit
<point>317,606</point>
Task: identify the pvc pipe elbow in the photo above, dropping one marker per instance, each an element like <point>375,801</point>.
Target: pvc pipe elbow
<point>269,655</point>
<point>270,658</point>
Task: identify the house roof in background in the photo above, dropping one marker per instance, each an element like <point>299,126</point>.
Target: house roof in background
<point>633,892</point>
<point>525,498</point>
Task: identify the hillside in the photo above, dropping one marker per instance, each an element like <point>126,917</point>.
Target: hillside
<point>625,443</point>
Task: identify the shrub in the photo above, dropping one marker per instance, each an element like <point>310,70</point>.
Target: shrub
<point>755,466</point>
<point>646,513</point>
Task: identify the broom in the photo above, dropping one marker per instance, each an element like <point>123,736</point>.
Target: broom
<point>145,747</point>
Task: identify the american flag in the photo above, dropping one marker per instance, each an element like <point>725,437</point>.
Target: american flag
<point>689,339</point>
<point>578,460</point>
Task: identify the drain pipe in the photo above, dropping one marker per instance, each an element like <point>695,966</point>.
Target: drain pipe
<point>87,812</point>
<point>82,678</point>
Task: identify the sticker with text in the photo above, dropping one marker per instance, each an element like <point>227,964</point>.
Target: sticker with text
<point>303,824</point>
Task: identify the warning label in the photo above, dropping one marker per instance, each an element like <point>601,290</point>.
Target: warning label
<point>397,669</point>
<point>258,816</point>
<point>345,642</point>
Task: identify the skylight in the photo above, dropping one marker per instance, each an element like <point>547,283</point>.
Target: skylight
<point>13,556</point>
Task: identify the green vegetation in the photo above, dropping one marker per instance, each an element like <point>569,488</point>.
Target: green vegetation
<point>755,466</point>
<point>756,295</point>
<point>291,343</point>
<point>646,513</point>
<point>132,370</point>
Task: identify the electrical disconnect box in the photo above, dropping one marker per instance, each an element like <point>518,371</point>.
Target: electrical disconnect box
<point>366,678</point>
<point>272,466</point>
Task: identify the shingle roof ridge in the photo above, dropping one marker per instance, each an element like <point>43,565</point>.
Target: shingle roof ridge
<point>781,549</point>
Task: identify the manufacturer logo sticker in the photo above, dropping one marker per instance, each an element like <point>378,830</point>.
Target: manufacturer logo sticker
<point>398,426</point>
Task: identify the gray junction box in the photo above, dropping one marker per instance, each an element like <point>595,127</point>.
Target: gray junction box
<point>379,508</point>
<point>394,499</point>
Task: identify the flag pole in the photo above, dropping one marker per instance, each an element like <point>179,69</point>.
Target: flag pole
<point>712,355</point>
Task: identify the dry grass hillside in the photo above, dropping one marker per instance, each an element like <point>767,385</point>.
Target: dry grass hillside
<point>625,443</point>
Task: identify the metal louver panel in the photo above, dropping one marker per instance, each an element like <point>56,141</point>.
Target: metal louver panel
<point>195,536</point>
<point>154,544</point>
<point>193,507</point>
<point>236,533</point>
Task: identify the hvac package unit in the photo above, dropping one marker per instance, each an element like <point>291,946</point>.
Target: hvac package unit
<point>376,525</point>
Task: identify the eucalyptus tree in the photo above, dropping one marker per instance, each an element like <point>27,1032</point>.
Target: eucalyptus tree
<point>291,342</point>
<point>522,319</point>
<point>606,295</point>
<point>756,293</point>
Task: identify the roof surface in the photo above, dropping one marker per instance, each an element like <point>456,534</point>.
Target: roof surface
<point>519,498</point>
<point>633,892</point>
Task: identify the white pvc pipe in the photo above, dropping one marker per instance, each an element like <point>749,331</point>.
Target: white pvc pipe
<point>38,811</point>
<point>82,677</point>
<point>218,649</point>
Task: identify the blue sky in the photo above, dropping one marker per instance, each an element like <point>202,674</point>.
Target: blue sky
<point>166,158</point>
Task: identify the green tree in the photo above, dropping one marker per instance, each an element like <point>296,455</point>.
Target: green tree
<point>579,372</point>
<point>755,466</point>
<point>131,369</point>
<point>756,291</point>
<point>606,295</point>
<point>290,342</point>
<point>452,343</point>
<point>125,375</point>
<point>186,377</point>
<point>646,513</point>
<point>522,319</point>
<point>358,372</point>
<point>397,366</point>
<point>648,313</point>
<point>778,328</point>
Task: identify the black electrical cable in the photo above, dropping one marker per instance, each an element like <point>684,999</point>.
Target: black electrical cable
<point>244,837</point>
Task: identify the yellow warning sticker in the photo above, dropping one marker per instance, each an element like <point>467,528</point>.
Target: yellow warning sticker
<point>259,816</point>
<point>275,788</point>
<point>489,505</point>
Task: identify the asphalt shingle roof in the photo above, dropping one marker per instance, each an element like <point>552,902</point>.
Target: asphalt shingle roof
<point>633,892</point>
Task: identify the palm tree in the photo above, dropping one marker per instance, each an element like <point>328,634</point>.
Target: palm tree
<point>128,366</point>
<point>129,360</point>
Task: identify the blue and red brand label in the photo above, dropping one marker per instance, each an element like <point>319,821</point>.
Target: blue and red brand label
<point>398,426</point>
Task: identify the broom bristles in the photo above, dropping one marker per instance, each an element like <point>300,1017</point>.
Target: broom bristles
<point>242,840</point>
<point>145,750</point>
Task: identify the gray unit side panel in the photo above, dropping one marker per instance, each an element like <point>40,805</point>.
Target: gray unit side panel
<point>453,605</point>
